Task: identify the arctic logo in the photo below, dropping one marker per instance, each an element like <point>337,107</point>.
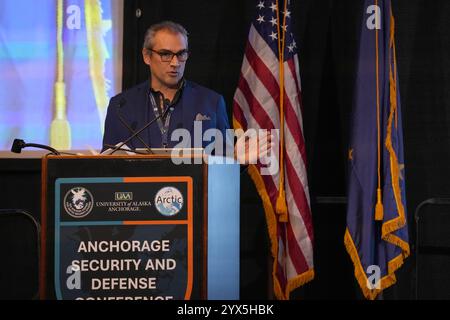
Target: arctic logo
<point>169,201</point>
<point>78,202</point>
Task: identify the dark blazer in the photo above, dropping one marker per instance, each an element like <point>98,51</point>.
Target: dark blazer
<point>196,103</point>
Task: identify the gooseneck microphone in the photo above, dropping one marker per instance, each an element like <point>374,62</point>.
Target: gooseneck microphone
<point>19,144</point>
<point>135,134</point>
<point>131,128</point>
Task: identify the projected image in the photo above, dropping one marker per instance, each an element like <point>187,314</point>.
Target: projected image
<point>59,62</point>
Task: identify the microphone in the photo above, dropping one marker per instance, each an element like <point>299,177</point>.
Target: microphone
<point>121,103</point>
<point>19,144</point>
<point>136,133</point>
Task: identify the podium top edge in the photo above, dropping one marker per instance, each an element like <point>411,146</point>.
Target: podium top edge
<point>36,154</point>
<point>83,154</point>
<point>119,156</point>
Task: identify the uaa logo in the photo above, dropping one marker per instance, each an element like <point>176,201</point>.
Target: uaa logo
<point>169,201</point>
<point>78,202</point>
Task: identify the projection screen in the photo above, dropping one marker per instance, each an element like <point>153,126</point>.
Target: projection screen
<point>60,63</point>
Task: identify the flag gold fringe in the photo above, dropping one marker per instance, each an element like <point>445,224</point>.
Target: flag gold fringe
<point>399,222</point>
<point>271,226</point>
<point>272,229</point>
<point>299,281</point>
<point>360,273</point>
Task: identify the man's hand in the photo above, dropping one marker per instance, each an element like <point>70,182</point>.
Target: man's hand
<point>250,146</point>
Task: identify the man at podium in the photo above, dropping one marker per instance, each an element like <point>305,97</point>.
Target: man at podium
<point>165,102</point>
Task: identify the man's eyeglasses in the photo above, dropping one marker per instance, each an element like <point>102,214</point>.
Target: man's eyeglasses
<point>167,55</point>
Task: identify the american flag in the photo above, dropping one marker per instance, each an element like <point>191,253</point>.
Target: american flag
<point>261,97</point>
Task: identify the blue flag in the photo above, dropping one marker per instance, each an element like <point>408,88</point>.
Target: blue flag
<point>377,233</point>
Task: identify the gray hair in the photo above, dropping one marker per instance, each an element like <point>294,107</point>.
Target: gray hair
<point>165,25</point>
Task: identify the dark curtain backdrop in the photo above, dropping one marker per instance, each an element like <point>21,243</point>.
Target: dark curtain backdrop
<point>327,33</point>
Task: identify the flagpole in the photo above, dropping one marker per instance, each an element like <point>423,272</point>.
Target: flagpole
<point>281,206</point>
<point>379,205</point>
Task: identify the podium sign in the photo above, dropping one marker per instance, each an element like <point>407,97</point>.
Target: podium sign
<point>114,236</point>
<point>122,228</point>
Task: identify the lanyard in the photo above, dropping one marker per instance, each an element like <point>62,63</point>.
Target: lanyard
<point>163,127</point>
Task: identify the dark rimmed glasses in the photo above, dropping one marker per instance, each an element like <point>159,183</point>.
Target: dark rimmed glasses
<point>167,55</point>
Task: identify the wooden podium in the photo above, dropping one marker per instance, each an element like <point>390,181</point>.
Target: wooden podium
<point>139,228</point>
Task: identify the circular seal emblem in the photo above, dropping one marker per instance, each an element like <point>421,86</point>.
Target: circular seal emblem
<point>169,201</point>
<point>78,202</point>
